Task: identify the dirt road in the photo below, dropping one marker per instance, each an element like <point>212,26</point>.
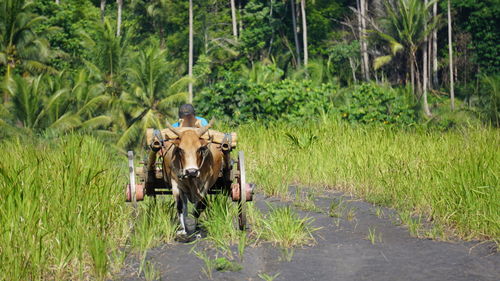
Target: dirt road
<point>343,251</point>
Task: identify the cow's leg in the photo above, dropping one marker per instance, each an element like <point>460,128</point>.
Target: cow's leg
<point>184,213</point>
<point>181,204</point>
<point>200,207</point>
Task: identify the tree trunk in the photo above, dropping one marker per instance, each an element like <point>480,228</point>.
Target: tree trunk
<point>6,94</point>
<point>233,18</point>
<point>353,68</point>
<point>295,35</point>
<point>103,9</point>
<point>119,17</point>
<point>412,71</point>
<point>304,31</point>
<point>190,66</point>
<point>434,49</point>
<point>363,70</point>
<point>425,77</point>
<point>162,37</point>
<point>272,35</point>
<point>450,53</point>
<point>364,46</point>
<point>240,17</point>
<point>418,82</point>
<point>57,2</point>
<point>429,60</point>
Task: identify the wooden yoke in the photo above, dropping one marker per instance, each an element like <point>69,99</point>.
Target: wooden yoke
<point>215,136</point>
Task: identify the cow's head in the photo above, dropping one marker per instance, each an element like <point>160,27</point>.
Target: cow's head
<point>190,150</point>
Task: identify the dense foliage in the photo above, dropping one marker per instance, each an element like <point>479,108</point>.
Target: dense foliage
<point>238,100</point>
<point>80,65</point>
<point>370,103</point>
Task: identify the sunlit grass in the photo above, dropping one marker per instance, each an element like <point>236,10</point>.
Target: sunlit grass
<point>281,226</point>
<point>62,209</point>
<point>451,177</point>
<point>220,222</point>
<point>156,223</point>
<point>284,228</point>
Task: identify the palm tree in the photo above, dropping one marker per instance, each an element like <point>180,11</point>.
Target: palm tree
<point>405,27</point>
<point>153,92</point>
<point>264,71</point>
<point>109,61</point>
<point>158,11</point>
<point>51,102</point>
<point>20,44</point>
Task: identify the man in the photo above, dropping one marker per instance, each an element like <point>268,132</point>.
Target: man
<point>187,117</point>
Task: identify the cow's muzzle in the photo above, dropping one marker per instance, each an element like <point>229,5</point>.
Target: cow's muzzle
<point>192,173</point>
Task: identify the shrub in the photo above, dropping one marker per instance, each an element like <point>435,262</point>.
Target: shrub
<point>371,103</point>
<point>236,100</point>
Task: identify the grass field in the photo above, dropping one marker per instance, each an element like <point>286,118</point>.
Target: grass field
<point>450,178</point>
<point>63,215</point>
<point>62,210</point>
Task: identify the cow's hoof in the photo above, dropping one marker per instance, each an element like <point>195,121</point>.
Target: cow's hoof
<point>181,232</point>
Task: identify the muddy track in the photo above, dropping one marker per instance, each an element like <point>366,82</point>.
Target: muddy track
<point>342,251</point>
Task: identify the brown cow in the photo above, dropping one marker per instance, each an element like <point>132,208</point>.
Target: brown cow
<point>191,165</point>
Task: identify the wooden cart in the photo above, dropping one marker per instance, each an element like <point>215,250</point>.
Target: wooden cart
<point>148,179</point>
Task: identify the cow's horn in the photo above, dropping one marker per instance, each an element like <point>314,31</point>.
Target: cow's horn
<point>174,130</point>
<point>204,129</point>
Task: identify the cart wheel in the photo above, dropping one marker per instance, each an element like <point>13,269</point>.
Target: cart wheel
<point>132,177</point>
<point>242,211</point>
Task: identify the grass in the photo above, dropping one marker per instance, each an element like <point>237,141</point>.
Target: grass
<point>63,215</point>
<point>62,209</point>
<point>336,208</point>
<point>379,212</point>
<point>414,224</point>
<point>305,201</point>
<point>151,273</point>
<point>221,264</point>
<point>209,264</point>
<point>156,223</point>
<point>267,277</point>
<point>280,226</point>
<point>284,228</point>
<point>220,222</point>
<point>351,214</point>
<point>373,236</point>
<point>450,177</point>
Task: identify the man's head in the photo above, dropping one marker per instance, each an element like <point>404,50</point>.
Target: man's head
<point>186,111</point>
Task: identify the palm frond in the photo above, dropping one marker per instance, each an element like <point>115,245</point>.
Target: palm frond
<point>378,62</point>
<point>96,122</point>
<point>66,122</point>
